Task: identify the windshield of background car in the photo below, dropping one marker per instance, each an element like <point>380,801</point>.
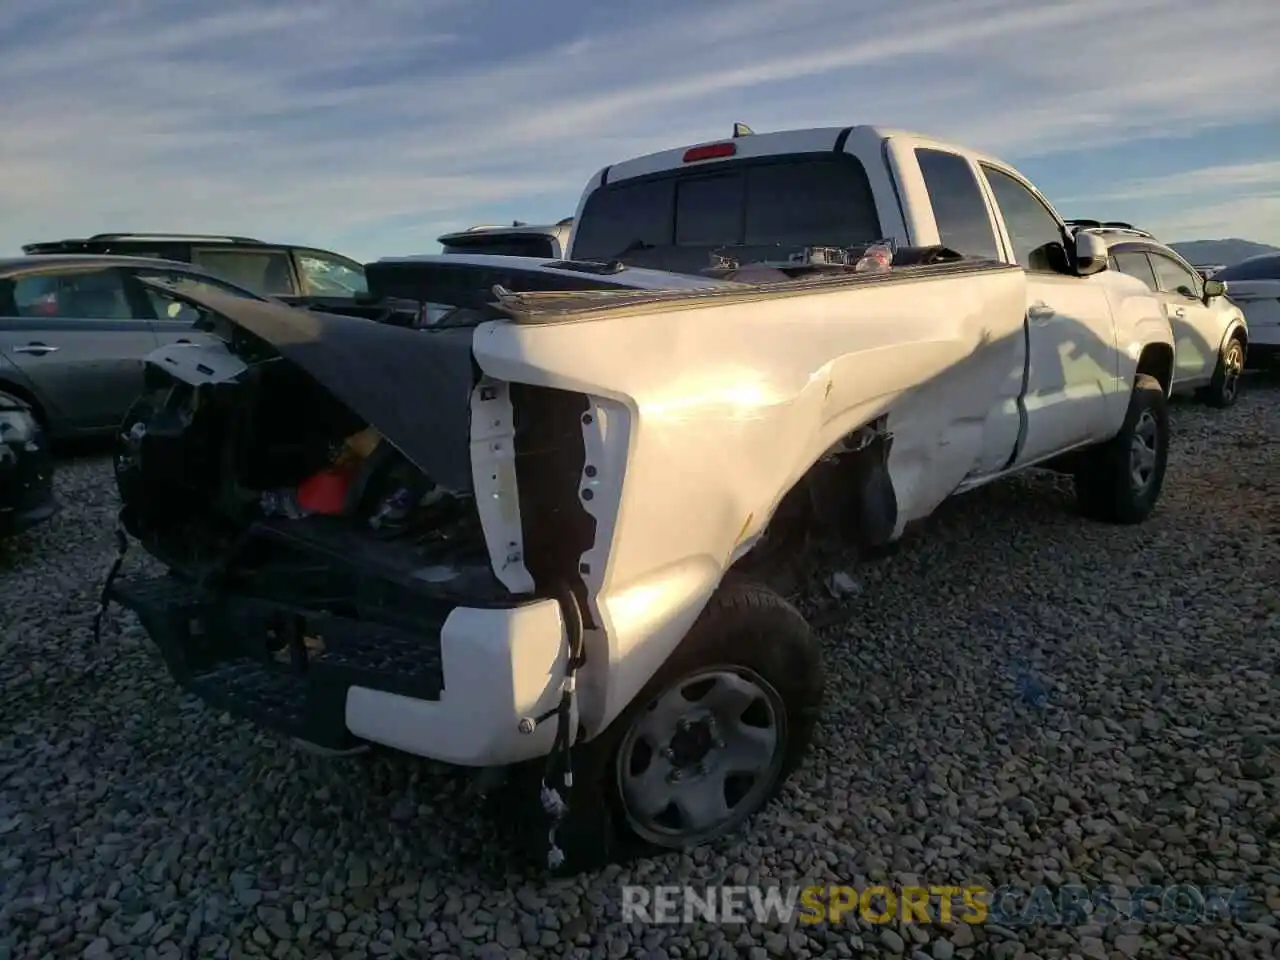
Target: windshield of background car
<point>777,201</point>
<point>1256,268</point>
<point>326,276</point>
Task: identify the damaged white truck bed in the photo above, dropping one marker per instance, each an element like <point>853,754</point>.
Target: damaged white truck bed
<point>596,448</point>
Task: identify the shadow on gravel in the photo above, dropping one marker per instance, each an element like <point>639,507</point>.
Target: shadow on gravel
<point>17,550</point>
<point>92,447</point>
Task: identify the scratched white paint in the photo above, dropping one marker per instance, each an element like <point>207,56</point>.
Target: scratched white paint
<point>727,405</point>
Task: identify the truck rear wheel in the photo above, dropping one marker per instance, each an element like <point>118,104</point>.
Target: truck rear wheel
<point>708,742</point>
<point>1120,480</point>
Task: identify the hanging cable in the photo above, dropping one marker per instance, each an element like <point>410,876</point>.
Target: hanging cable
<point>122,547</point>
<point>554,802</point>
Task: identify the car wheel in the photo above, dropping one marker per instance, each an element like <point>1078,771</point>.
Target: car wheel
<point>1224,389</point>
<point>1120,480</point>
<point>708,742</point>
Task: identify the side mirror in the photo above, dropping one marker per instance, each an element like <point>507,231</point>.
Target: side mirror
<point>1091,254</point>
<point>1214,288</point>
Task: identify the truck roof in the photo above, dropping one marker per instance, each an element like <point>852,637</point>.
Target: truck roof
<point>858,138</point>
<point>830,186</point>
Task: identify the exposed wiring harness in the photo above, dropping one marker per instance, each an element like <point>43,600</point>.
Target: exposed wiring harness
<point>554,802</point>
<point>122,547</point>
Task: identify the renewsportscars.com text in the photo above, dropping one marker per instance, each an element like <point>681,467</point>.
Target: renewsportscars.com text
<point>1008,906</point>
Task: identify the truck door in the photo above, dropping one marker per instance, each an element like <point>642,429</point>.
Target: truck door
<point>1074,370</point>
<point>965,223</point>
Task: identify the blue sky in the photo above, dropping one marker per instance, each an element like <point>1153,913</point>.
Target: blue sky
<point>373,127</point>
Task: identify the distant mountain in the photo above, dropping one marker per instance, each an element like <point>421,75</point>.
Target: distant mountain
<point>1225,252</point>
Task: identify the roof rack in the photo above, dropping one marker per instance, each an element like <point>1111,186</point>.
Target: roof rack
<point>99,237</point>
<point>1117,226</point>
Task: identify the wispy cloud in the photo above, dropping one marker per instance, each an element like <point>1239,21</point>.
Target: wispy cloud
<point>1247,218</point>
<point>324,120</point>
<point>1213,202</point>
<point>1193,183</point>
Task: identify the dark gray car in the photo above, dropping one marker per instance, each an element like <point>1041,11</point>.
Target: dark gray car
<point>74,331</point>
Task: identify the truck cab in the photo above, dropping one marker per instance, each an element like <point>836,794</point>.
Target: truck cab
<point>1088,332</point>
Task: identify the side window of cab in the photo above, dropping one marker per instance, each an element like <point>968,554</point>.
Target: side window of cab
<point>1034,230</point>
<point>959,208</point>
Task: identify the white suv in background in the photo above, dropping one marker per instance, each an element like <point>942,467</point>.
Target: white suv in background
<point>549,241</point>
<point>1209,331</point>
<point>1254,285</point>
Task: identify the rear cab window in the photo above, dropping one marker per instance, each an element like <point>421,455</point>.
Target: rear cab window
<point>267,272</point>
<point>674,220</point>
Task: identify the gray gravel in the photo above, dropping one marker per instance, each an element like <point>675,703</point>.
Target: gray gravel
<point>134,822</point>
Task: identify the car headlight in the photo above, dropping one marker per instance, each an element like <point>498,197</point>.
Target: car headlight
<point>17,426</point>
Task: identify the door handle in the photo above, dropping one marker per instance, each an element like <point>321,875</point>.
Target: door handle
<point>36,349</point>
<point>183,340</point>
<point>1040,312</point>
<point>1179,312</point>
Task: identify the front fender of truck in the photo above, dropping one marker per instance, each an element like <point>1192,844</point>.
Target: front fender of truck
<point>701,414</point>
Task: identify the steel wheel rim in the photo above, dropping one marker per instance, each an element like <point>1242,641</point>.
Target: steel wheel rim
<point>1232,368</point>
<point>1143,449</point>
<point>672,796</point>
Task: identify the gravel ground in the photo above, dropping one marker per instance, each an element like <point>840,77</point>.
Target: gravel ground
<point>133,822</point>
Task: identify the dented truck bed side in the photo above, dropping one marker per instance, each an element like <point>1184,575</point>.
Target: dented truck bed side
<point>707,408</point>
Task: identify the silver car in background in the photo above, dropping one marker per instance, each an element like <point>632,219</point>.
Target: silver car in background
<point>74,330</point>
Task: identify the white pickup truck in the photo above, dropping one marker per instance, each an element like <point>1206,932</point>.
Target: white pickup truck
<point>513,539</point>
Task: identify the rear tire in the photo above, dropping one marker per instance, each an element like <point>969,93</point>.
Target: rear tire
<point>756,670</point>
<point>1224,390</point>
<point>1120,481</point>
